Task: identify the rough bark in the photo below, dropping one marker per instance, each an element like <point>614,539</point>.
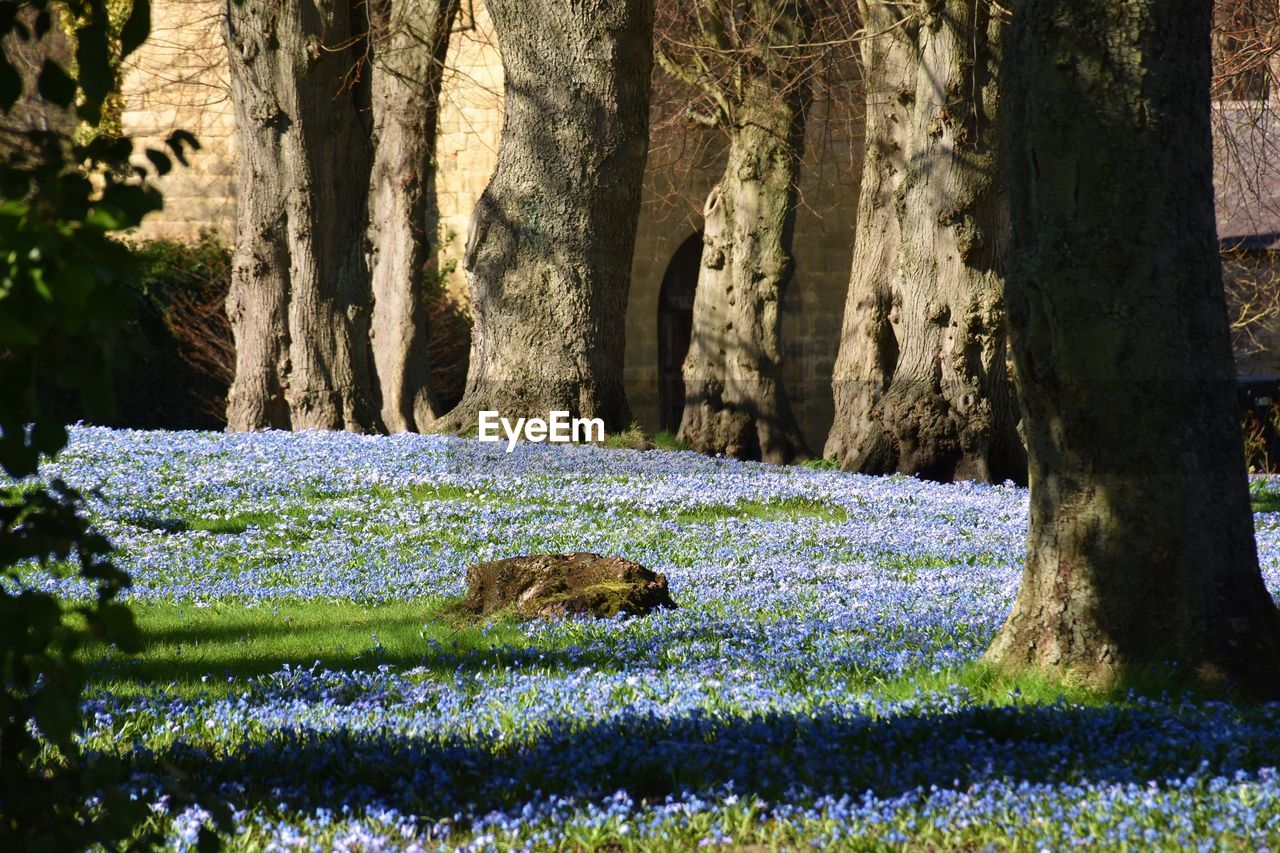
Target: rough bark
<point>410,39</point>
<point>735,402</point>
<point>558,585</point>
<point>920,383</point>
<point>299,300</point>
<point>548,256</point>
<point>1140,550</point>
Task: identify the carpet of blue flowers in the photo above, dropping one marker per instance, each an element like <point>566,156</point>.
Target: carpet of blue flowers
<point>757,713</point>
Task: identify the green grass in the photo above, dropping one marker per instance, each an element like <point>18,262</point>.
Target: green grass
<point>666,440</point>
<point>997,687</point>
<point>635,438</point>
<point>236,524</point>
<point>425,493</point>
<point>632,438</point>
<point>195,649</point>
<point>313,499</point>
<point>418,492</point>
<point>11,489</point>
<point>1266,502</point>
<point>192,651</point>
<point>784,510</point>
<point>1262,496</point>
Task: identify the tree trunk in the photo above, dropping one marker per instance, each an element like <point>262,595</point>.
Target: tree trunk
<point>299,300</point>
<point>549,252</point>
<point>920,383</point>
<point>1140,550</point>
<point>409,40</point>
<point>735,402</point>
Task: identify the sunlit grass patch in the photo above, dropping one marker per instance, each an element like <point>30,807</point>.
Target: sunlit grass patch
<point>1266,501</point>
<point>781,510</point>
<point>234,524</point>
<point>666,440</point>
<point>424,492</point>
<point>989,686</point>
<point>192,649</point>
<point>1264,494</point>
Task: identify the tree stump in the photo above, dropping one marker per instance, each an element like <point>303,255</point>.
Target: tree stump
<point>558,585</point>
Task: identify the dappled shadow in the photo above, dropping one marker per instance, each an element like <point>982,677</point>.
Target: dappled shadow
<point>651,756</point>
<point>146,521</point>
<point>444,661</point>
<point>182,657</point>
<point>211,650</point>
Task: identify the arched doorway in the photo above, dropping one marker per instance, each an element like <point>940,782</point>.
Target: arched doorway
<point>675,328</point>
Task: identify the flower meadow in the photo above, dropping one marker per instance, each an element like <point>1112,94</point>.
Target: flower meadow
<point>809,691</point>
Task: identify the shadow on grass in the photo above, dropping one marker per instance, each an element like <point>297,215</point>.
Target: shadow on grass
<point>1266,501</point>
<point>194,672</point>
<point>193,650</point>
<point>234,524</point>
<point>649,750</point>
<point>771,755</point>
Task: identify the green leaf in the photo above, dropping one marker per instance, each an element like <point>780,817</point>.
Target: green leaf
<point>40,284</point>
<point>136,28</point>
<point>107,219</point>
<point>64,299</point>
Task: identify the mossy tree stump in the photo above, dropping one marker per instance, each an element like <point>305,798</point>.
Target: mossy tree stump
<point>558,585</point>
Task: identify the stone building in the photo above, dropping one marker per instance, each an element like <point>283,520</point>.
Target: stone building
<point>179,79</point>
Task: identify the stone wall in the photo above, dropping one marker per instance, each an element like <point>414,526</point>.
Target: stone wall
<point>1247,200</point>
<point>813,306</point>
<point>1252,282</point>
<point>469,128</point>
<point>179,79</point>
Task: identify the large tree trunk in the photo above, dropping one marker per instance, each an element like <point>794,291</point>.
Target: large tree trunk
<point>549,252</point>
<point>920,383</point>
<point>735,402</point>
<point>299,300</point>
<point>409,41</point>
<point>1141,550</point>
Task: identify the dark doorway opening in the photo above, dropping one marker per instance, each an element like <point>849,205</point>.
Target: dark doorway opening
<point>675,329</point>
